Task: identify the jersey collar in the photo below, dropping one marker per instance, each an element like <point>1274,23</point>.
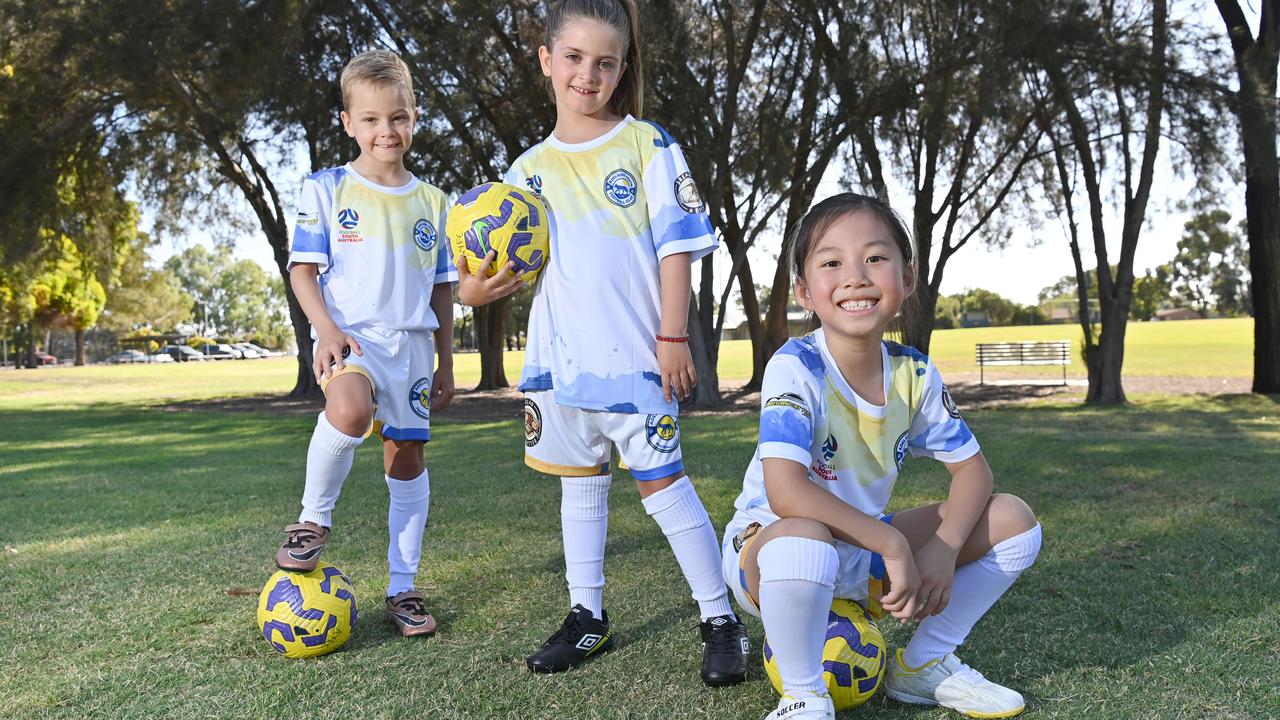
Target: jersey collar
<point>842,385</point>
<point>590,144</point>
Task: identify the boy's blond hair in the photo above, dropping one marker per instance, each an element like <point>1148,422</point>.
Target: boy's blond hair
<point>381,68</point>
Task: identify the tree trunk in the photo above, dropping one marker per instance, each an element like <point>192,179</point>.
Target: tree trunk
<point>1106,360</point>
<point>79,347</point>
<point>755,325</point>
<point>490,323</point>
<point>304,383</point>
<point>917,318</point>
<point>1256,64</point>
<point>706,393</point>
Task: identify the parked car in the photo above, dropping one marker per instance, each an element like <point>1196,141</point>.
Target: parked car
<point>160,357</point>
<point>263,352</point>
<point>44,358</point>
<point>182,353</point>
<point>128,357</point>
<point>220,351</point>
<point>247,350</point>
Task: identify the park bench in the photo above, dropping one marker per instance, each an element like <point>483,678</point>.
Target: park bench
<point>1038,352</point>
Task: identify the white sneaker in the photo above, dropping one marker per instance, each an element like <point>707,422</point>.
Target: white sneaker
<point>805,707</point>
<point>951,684</point>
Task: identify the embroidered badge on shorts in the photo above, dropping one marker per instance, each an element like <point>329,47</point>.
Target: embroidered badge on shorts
<point>663,433</point>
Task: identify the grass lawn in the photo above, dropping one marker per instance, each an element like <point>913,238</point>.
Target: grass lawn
<point>1157,594</point>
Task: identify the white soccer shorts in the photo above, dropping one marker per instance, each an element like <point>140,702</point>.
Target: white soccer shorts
<point>399,364</point>
<point>571,442</point>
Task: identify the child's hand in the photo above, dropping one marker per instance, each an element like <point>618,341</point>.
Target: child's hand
<point>904,584</point>
<point>331,349</point>
<point>676,364</point>
<point>442,389</point>
<point>480,289</point>
<point>936,563</point>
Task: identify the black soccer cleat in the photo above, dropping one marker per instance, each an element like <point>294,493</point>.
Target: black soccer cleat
<point>580,637</point>
<point>724,651</point>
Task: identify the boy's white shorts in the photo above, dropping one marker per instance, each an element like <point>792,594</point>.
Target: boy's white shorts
<point>399,365</point>
<point>571,442</point>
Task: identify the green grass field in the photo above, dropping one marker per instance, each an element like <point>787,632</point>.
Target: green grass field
<point>1157,594</point>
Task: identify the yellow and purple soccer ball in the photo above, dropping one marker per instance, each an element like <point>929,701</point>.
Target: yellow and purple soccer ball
<point>304,615</point>
<point>505,218</point>
<point>853,659</point>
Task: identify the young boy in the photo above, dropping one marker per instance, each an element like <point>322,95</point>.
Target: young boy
<point>372,271</point>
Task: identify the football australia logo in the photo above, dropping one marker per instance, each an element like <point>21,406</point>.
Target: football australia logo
<point>822,468</point>
<point>663,432</point>
<point>347,220</point>
<point>621,188</point>
<point>420,398</point>
<point>688,196</point>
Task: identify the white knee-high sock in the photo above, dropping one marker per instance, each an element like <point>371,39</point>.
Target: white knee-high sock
<point>584,526</point>
<point>797,579</point>
<point>679,512</point>
<point>976,588</point>
<point>329,459</point>
<point>406,520</point>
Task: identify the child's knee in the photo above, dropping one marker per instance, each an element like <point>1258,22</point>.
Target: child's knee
<point>349,418</point>
<point>797,527</point>
<point>1010,515</point>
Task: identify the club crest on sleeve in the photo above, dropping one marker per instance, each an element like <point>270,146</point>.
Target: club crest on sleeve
<point>621,188</point>
<point>424,235</point>
<point>532,423</point>
<point>900,450</point>
<point>790,401</point>
<point>420,398</point>
<point>687,194</point>
<point>949,403</point>
<point>663,433</point>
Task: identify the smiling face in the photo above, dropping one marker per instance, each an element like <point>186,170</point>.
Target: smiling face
<point>585,64</point>
<point>855,278</point>
<point>381,119</point>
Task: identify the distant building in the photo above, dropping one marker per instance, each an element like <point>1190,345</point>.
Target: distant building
<point>974,318</point>
<point>797,325</point>
<point>1182,313</point>
<point>1067,310</point>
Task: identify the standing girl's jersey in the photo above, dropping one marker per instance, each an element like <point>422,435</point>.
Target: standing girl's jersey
<point>618,205</point>
<point>378,249</point>
<point>852,448</point>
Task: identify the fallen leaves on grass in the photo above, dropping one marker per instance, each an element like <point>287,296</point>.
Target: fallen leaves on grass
<point>241,591</point>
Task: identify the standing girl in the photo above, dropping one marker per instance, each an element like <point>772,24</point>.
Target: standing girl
<point>608,352</point>
<point>841,409</point>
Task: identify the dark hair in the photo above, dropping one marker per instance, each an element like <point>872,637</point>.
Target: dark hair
<point>628,97</point>
<point>821,216</point>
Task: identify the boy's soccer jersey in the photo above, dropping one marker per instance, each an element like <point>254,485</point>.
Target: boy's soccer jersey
<point>380,250</point>
<point>618,205</point>
<point>851,447</point>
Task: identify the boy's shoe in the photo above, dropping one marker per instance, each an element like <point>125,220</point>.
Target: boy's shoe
<point>579,637</point>
<point>409,614</point>
<point>805,707</point>
<point>951,684</point>
<point>303,543</point>
<point>724,651</point>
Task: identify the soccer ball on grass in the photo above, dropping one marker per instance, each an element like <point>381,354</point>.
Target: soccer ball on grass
<point>307,614</point>
<point>853,659</point>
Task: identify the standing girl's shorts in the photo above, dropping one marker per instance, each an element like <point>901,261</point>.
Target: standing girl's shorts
<point>399,365</point>
<point>572,442</point>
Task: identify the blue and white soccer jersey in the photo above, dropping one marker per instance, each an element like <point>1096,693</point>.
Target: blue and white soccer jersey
<point>853,448</point>
<point>380,252</point>
<point>618,205</point>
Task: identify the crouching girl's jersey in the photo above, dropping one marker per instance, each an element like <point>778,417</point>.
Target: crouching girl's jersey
<point>618,205</point>
<point>379,250</point>
<point>851,447</point>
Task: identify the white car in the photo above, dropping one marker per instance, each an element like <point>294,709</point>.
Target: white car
<point>161,357</point>
<point>247,350</point>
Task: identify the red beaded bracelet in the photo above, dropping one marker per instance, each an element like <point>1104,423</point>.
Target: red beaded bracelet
<point>681,339</point>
